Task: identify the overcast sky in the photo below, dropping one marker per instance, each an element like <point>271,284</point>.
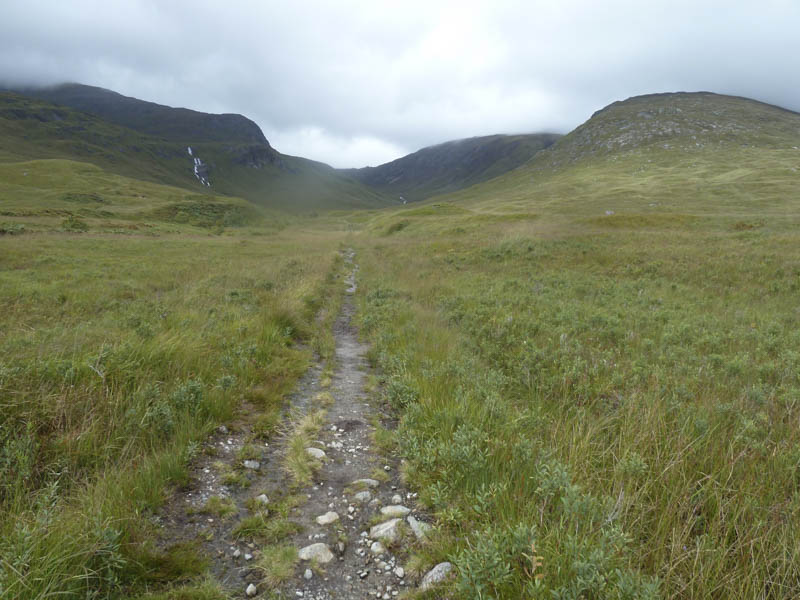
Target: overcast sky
<point>355,83</point>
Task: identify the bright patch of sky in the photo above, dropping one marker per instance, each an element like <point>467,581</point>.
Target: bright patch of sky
<point>355,83</point>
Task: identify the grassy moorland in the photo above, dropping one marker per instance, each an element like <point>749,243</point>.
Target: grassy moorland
<point>598,374</point>
<point>626,402</point>
<point>124,338</point>
<point>593,360</point>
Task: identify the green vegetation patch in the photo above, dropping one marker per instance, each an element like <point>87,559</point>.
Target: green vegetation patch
<point>205,212</point>
<point>118,354</point>
<point>597,414</point>
<point>84,198</point>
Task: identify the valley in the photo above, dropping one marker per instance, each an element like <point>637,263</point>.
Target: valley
<point>569,374</point>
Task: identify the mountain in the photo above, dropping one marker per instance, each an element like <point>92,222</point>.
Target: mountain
<point>227,154</point>
<point>680,152</point>
<point>175,124</point>
<point>680,122</point>
<point>452,165</point>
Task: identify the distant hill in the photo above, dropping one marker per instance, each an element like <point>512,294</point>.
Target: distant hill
<point>175,124</point>
<point>227,154</point>
<point>691,153</point>
<point>452,165</point>
<point>680,122</point>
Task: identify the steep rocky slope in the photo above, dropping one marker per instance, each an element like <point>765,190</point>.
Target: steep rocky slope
<point>452,165</point>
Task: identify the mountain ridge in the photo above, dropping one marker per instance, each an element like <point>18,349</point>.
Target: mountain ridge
<point>159,120</point>
<point>452,165</point>
<point>690,152</point>
<point>232,160</point>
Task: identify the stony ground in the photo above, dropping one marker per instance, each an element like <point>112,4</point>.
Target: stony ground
<point>352,526</point>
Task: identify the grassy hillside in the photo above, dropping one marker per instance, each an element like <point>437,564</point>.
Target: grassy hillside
<point>175,124</point>
<point>701,152</point>
<point>592,362</point>
<point>453,165</point>
<point>237,166</point>
<point>40,195</point>
<point>593,357</point>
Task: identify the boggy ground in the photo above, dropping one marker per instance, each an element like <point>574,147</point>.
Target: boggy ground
<point>268,530</point>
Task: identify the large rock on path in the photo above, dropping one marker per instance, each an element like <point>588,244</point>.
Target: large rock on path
<point>328,518</point>
<point>436,575</point>
<point>317,552</point>
<point>420,528</point>
<point>389,531</point>
<point>373,483</point>
<point>395,511</point>
<point>315,453</point>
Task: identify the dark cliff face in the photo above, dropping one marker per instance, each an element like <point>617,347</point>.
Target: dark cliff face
<point>453,165</point>
<point>255,156</point>
<point>173,124</point>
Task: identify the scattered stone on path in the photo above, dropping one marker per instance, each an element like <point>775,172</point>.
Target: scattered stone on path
<point>397,499</point>
<point>377,548</point>
<point>251,590</point>
<point>318,552</point>
<point>399,572</point>
<point>222,429</point>
<point>420,528</point>
<point>328,518</point>
<point>436,575</point>
<point>362,497</point>
<point>237,553</point>
<point>390,530</point>
<point>262,499</point>
<point>315,453</point>
<point>373,483</point>
<point>395,511</point>
<point>252,464</point>
<point>308,574</point>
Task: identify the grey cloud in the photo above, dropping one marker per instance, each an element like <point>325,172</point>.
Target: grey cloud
<point>354,83</point>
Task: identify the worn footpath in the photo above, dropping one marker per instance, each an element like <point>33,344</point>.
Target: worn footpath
<point>352,526</point>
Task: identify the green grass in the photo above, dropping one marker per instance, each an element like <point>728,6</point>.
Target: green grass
<point>32,129</point>
<point>117,354</point>
<point>298,463</point>
<point>622,397</point>
<point>206,590</point>
<point>221,507</point>
<point>34,197</point>
<point>277,563</point>
<point>593,364</point>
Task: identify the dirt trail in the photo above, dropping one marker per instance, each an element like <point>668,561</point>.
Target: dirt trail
<point>357,561</point>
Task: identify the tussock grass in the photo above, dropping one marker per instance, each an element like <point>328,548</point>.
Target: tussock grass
<point>298,463</point>
<point>277,563</point>
<point>206,590</point>
<point>619,391</point>
<point>221,507</point>
<point>264,528</point>
<point>117,355</point>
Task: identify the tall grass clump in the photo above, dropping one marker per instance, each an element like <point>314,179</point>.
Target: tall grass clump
<point>596,415</point>
<point>117,355</point>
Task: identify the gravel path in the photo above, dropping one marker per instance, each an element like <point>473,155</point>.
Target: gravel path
<point>356,521</point>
